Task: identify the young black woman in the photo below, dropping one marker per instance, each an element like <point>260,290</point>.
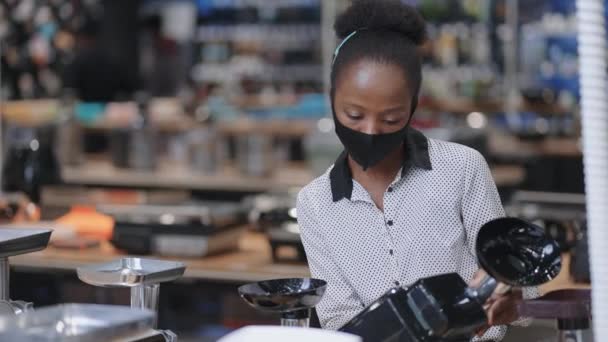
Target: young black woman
<point>396,206</point>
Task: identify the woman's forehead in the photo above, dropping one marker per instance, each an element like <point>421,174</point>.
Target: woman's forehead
<point>374,82</point>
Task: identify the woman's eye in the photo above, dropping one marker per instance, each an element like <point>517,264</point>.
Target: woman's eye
<point>391,122</point>
<point>354,116</point>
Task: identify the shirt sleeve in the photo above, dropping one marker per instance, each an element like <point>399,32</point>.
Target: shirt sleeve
<point>340,302</point>
<point>481,204</point>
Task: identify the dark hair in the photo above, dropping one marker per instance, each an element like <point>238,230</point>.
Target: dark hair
<point>388,31</point>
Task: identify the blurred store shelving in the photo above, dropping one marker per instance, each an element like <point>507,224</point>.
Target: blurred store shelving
<point>257,68</point>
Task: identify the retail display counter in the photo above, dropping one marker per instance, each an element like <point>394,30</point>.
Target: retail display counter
<point>252,262</point>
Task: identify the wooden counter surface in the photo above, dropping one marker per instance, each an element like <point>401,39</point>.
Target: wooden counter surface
<point>563,280</point>
<point>252,262</point>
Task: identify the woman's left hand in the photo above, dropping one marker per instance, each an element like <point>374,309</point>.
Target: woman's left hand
<point>503,308</point>
<point>500,308</point>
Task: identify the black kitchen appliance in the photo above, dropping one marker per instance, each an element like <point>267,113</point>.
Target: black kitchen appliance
<point>564,217</point>
<point>30,161</point>
<point>513,252</point>
<point>189,230</point>
<point>561,214</point>
<point>275,214</point>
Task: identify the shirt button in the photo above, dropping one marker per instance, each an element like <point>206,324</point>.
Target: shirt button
<point>397,283</point>
<point>389,222</point>
<point>390,189</point>
<point>390,252</point>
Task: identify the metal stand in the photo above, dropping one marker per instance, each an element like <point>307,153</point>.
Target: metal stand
<point>299,318</point>
<point>15,242</point>
<point>571,330</point>
<point>570,336</point>
<point>145,297</point>
<point>5,274</point>
<point>142,276</point>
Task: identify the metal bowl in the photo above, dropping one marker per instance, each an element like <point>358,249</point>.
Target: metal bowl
<point>284,295</point>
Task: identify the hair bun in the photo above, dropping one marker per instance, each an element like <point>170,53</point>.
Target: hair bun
<point>391,15</point>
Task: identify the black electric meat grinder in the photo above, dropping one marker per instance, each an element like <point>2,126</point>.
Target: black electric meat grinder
<point>513,252</point>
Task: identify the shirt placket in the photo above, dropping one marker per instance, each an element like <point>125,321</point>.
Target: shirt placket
<point>388,223</point>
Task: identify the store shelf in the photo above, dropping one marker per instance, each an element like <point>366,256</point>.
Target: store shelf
<point>259,32</point>
<point>546,109</point>
<point>174,126</point>
<point>168,176</point>
<point>274,127</point>
<point>101,173</point>
<point>465,106</point>
<point>267,3</point>
<point>211,72</point>
<point>508,146</point>
<point>508,175</point>
<point>285,128</point>
<point>30,113</point>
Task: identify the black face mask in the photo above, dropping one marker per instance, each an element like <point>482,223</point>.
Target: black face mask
<point>369,149</point>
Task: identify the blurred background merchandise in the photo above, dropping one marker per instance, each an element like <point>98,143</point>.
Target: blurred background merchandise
<point>123,120</point>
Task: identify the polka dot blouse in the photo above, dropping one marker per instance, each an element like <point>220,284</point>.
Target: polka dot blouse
<point>432,212</point>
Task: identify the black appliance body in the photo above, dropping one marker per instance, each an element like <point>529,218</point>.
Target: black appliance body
<point>426,311</point>
<point>30,161</point>
<point>275,215</point>
<point>192,229</point>
<point>513,252</point>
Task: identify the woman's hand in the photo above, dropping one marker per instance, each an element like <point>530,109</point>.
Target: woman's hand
<point>500,308</point>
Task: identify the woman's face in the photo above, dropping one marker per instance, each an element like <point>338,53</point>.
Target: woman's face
<point>372,98</point>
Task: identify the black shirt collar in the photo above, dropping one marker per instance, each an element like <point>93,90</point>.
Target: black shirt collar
<point>416,154</point>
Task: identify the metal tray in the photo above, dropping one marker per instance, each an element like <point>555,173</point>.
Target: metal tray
<point>17,241</point>
<point>76,322</point>
<point>130,272</point>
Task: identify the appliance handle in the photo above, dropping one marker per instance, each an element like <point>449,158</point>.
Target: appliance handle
<point>486,288</point>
